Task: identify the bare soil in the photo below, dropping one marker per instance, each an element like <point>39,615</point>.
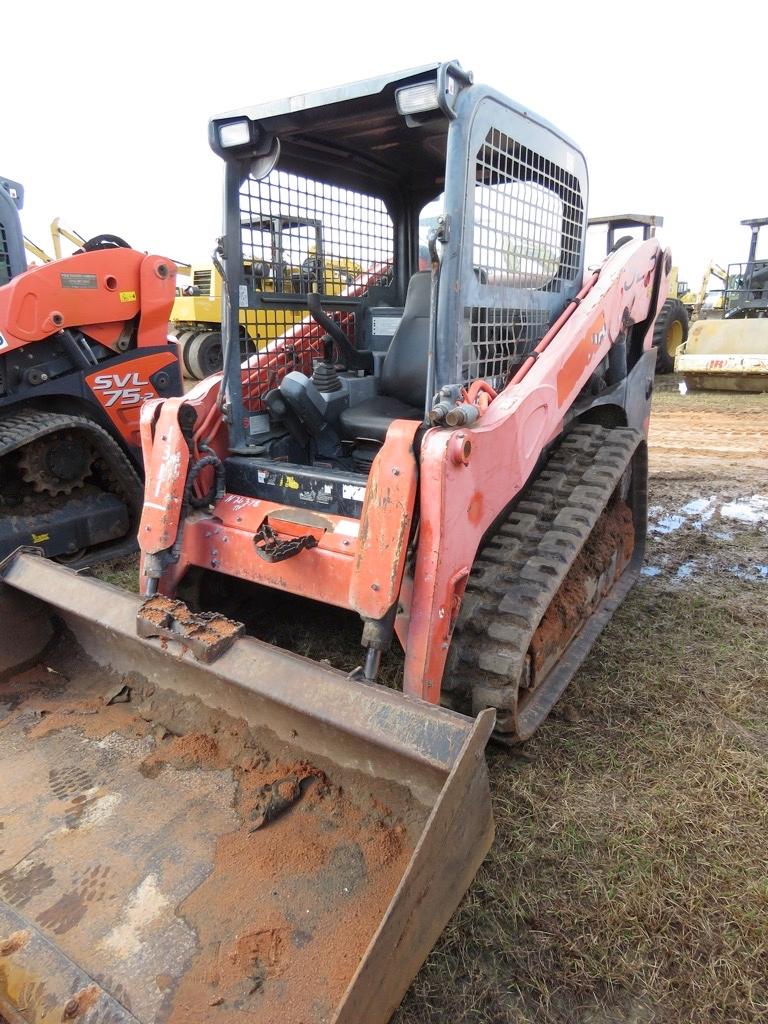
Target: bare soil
<point>705,432</point>
<point>274,913</point>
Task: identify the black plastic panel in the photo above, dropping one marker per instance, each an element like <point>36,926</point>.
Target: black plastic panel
<point>322,490</point>
<point>78,523</point>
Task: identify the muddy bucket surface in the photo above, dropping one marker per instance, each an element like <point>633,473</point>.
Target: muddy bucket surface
<point>256,840</point>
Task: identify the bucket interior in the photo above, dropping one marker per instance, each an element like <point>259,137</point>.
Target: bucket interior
<point>194,866</point>
<point>258,840</point>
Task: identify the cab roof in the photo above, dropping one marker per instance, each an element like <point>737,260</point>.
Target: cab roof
<point>356,132</point>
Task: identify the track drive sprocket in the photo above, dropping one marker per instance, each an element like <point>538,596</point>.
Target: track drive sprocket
<point>57,464</point>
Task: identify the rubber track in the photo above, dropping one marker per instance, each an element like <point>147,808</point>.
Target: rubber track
<point>24,426</point>
<point>518,572</point>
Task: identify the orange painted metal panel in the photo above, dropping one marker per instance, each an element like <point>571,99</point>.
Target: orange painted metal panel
<point>460,498</point>
<point>103,288</point>
<point>121,390</point>
<point>385,523</point>
<point>225,541</point>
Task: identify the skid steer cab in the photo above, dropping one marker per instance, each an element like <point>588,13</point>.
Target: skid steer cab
<point>457,454</point>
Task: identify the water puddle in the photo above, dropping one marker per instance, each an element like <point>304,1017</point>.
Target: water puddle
<point>668,524</point>
<point>700,505</point>
<point>697,513</point>
<point>689,570</point>
<point>686,570</point>
<point>753,572</point>
<point>747,510</point>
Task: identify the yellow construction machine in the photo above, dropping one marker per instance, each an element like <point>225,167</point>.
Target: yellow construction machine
<point>288,256</point>
<point>731,354</point>
<point>709,303</point>
<point>58,231</point>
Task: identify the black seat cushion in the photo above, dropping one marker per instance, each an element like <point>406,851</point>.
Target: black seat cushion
<point>404,371</point>
<point>370,420</point>
<point>403,381</point>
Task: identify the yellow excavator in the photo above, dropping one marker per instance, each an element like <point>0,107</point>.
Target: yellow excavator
<point>58,231</point>
<point>731,354</point>
<point>709,303</point>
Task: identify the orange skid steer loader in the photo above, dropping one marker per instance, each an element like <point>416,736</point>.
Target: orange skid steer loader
<point>83,342</point>
<point>456,455</point>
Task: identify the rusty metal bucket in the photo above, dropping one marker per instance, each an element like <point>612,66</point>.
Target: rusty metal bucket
<point>256,840</point>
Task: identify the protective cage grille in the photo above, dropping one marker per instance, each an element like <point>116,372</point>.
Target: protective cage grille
<point>201,279</point>
<point>5,258</point>
<point>528,224</point>
<point>498,339</point>
<point>300,236</point>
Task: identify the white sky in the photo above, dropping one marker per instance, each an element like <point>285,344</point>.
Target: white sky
<point>105,107</point>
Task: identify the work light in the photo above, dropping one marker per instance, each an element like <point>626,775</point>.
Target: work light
<point>415,99</point>
<point>235,133</point>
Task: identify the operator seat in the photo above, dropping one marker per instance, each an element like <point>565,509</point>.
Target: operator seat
<point>403,380</point>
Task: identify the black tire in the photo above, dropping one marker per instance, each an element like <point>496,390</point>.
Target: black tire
<point>185,339</point>
<point>204,355</point>
<point>99,242</point>
<point>669,331</point>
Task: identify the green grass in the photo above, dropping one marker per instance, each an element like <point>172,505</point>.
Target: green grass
<point>629,878</point>
<point>123,572</point>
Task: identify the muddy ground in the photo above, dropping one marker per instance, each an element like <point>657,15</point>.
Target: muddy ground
<point>629,877</point>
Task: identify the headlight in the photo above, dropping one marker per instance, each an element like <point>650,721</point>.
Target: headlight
<point>236,133</point>
<point>415,99</point>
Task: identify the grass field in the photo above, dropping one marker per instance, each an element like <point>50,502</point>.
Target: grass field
<point>629,877</point>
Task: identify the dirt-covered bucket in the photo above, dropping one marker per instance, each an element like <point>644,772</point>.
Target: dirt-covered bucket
<point>260,839</point>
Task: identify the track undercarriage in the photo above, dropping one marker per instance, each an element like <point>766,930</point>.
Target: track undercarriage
<point>68,488</point>
<point>547,580</point>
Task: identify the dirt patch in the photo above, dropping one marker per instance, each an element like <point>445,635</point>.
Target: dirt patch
<point>705,432</point>
<point>48,702</point>
<point>195,750</point>
<point>90,717</point>
<point>609,547</point>
<point>13,943</point>
<point>81,1002</point>
<point>321,875</point>
<point>291,897</point>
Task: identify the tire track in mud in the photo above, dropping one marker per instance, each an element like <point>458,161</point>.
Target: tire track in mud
<point>685,438</point>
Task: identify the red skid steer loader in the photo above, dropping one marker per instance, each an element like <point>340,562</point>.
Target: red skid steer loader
<point>456,455</point>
